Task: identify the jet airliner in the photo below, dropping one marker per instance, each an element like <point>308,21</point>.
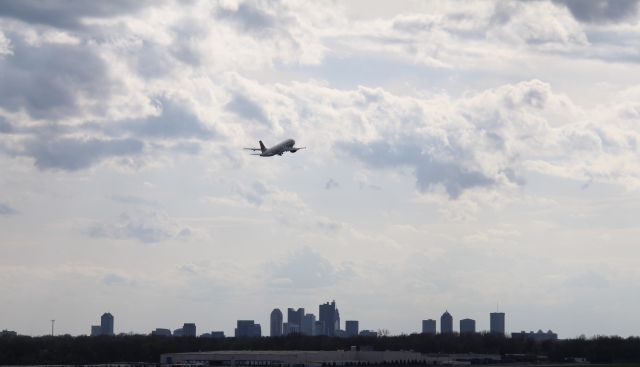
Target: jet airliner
<point>279,149</point>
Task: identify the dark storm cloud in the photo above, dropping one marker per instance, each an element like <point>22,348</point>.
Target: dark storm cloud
<point>175,121</point>
<point>66,13</point>
<point>246,108</point>
<point>47,81</point>
<point>601,11</point>
<point>429,172</point>
<point>5,209</point>
<point>248,17</point>
<point>72,154</point>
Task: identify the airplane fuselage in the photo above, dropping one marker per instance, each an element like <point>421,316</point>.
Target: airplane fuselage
<point>279,148</point>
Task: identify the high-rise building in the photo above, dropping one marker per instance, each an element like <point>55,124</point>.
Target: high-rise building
<point>295,317</point>
<point>467,326</point>
<point>351,327</point>
<point>247,329</point>
<point>276,322</point>
<point>308,324</point>
<point>446,323</point>
<point>178,332</point>
<point>496,323</point>
<point>429,326</point>
<point>330,318</point>
<point>189,329</point>
<point>106,324</point>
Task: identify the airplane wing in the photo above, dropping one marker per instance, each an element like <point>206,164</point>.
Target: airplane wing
<point>295,149</point>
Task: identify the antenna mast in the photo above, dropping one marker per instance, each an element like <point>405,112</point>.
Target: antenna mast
<point>52,323</point>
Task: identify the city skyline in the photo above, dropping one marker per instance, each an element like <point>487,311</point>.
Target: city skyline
<point>297,323</point>
<point>456,156</point>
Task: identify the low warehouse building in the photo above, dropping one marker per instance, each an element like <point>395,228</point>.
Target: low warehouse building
<point>298,358</point>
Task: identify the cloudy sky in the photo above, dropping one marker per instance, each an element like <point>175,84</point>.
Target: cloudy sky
<point>460,156</point>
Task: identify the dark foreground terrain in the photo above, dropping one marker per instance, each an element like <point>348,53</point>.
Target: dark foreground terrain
<point>15,350</point>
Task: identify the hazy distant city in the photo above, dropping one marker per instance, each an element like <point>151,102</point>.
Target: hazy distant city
<point>328,323</point>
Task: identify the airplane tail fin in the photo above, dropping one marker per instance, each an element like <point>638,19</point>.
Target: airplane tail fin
<point>262,147</point>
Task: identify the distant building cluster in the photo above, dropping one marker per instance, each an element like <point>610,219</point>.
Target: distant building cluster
<point>467,326</point>
<point>327,323</point>
<point>105,327</point>
<point>539,336</point>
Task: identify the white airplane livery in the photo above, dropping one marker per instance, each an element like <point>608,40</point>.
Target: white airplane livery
<point>278,149</point>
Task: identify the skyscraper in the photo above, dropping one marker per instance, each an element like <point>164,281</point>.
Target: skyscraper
<point>467,326</point>
<point>330,318</point>
<point>429,326</point>
<point>496,323</point>
<point>295,317</point>
<point>351,327</point>
<point>106,324</point>
<point>189,329</point>
<point>308,324</point>
<point>276,322</point>
<point>446,323</point>
<point>247,329</point>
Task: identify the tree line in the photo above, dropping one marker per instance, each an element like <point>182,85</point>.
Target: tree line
<point>21,350</point>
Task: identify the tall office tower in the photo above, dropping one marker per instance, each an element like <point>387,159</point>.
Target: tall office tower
<point>319,330</point>
<point>106,324</point>
<point>308,324</point>
<point>496,323</point>
<point>247,329</point>
<point>429,326</point>
<point>276,322</point>
<point>330,318</point>
<point>467,326</point>
<point>351,327</point>
<point>189,329</point>
<point>295,317</point>
<point>446,323</point>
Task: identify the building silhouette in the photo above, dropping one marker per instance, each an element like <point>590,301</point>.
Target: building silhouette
<point>295,317</point>
<point>217,334</point>
<point>496,323</point>
<point>539,336</point>
<point>247,329</point>
<point>446,323</point>
<point>161,332</point>
<point>429,326</point>
<point>467,326</point>
<point>329,318</point>
<point>289,329</point>
<point>96,330</point>
<point>276,322</point>
<point>178,332</point>
<point>189,329</point>
<point>106,324</point>
<point>308,324</point>
<point>351,327</point>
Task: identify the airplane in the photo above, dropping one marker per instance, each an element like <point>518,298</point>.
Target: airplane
<point>285,146</point>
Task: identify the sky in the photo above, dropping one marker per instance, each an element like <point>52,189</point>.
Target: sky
<point>466,157</point>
